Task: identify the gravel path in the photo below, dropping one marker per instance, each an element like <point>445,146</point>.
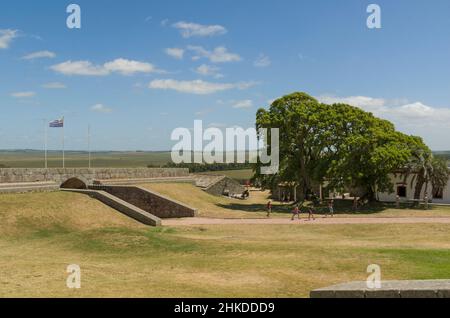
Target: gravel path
<point>319,220</point>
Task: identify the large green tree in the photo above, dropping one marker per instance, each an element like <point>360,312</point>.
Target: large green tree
<point>339,143</point>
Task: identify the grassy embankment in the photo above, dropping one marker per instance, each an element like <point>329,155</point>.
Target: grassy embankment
<point>43,233</point>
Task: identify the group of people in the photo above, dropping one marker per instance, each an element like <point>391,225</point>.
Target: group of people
<point>310,210</point>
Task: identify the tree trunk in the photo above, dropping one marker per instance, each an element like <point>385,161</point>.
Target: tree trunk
<point>418,189</point>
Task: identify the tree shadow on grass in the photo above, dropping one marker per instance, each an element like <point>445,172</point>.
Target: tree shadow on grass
<point>254,208</point>
<point>340,207</point>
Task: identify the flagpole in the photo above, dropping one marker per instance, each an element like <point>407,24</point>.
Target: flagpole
<point>45,142</point>
<point>64,162</point>
<point>89,145</point>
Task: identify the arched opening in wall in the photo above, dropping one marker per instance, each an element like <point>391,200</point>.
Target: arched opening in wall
<point>73,183</point>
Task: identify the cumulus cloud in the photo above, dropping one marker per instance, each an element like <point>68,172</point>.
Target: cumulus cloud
<point>54,85</point>
<point>176,53</point>
<point>84,68</point>
<point>6,37</point>
<point>367,103</point>
<point>397,110</point>
<point>39,55</point>
<point>127,67</point>
<point>23,94</point>
<point>198,87</point>
<point>218,55</point>
<point>262,61</point>
<point>208,70</point>
<point>121,66</point>
<point>247,103</point>
<point>189,29</point>
<point>100,108</point>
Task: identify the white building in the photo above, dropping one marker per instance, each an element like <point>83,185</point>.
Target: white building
<point>405,190</point>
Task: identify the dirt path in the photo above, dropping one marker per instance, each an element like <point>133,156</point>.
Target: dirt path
<point>320,220</point>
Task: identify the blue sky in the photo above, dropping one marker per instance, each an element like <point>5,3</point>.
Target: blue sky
<point>138,69</point>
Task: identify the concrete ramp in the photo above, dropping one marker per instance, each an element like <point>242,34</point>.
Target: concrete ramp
<point>120,205</point>
<point>149,201</point>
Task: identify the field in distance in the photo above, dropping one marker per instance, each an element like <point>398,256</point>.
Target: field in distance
<point>79,159</point>
<point>99,159</point>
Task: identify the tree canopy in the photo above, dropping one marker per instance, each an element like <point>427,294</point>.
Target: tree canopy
<point>339,143</point>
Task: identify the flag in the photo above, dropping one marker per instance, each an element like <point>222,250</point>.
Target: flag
<point>58,123</point>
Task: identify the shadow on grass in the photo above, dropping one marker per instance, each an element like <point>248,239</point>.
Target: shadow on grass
<point>254,208</point>
<point>340,207</point>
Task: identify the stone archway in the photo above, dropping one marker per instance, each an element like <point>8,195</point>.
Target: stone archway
<point>73,183</point>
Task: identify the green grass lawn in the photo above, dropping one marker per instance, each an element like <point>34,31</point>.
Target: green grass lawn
<point>43,233</point>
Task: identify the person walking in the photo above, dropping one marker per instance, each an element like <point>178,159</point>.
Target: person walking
<point>269,208</point>
<point>311,213</point>
<point>330,208</point>
<point>295,212</point>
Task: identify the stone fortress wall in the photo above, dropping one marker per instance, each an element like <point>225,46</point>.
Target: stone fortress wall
<point>88,176</point>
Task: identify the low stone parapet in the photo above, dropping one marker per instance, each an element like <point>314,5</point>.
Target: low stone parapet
<point>59,175</point>
<point>389,289</point>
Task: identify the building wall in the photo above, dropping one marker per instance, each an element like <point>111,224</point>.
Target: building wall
<point>398,180</point>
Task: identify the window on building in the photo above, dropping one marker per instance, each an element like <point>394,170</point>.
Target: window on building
<point>438,193</point>
<point>401,191</point>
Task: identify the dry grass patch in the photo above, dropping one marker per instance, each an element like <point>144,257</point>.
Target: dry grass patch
<point>56,211</point>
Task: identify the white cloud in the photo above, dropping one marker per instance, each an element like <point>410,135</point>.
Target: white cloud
<point>208,70</point>
<point>84,68</point>
<point>100,108</point>
<point>128,67</point>
<point>399,111</point>
<point>6,36</point>
<point>39,55</point>
<point>198,87</point>
<point>419,112</point>
<point>121,66</point>
<point>270,101</point>
<point>23,94</point>
<point>262,61</point>
<point>175,53</point>
<point>367,103</point>
<point>247,103</point>
<point>218,55</point>
<point>54,85</point>
<point>189,29</point>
